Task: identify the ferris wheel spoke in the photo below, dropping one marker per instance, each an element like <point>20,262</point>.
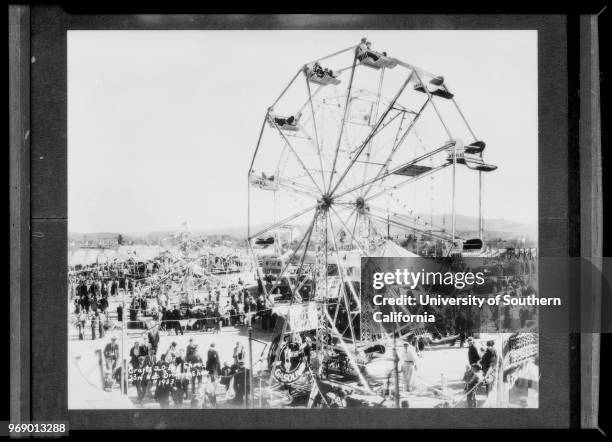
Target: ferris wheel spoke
<point>342,123</point>
<point>351,233</point>
<point>316,133</point>
<point>407,226</point>
<point>372,132</point>
<point>295,189</point>
<point>299,159</point>
<point>375,113</point>
<point>299,273</point>
<point>342,51</point>
<point>398,143</point>
<point>263,127</point>
<point>286,89</point>
<point>283,221</point>
<point>343,272</point>
<point>351,359</point>
<point>386,190</point>
<point>402,217</point>
<point>309,100</point>
<point>305,237</point>
<point>433,104</point>
<point>398,168</point>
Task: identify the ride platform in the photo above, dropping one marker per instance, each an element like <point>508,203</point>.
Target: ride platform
<point>382,62</point>
<point>438,91</point>
<point>413,170</point>
<point>324,80</point>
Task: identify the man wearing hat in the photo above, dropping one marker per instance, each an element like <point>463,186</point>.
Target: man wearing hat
<point>111,354</point>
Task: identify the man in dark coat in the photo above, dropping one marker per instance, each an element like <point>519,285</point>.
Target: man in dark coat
<point>473,353</point>
<point>213,364</point>
<point>190,347</point>
<point>226,373</point>
<point>489,364</point>
<point>195,366</point>
<point>488,361</point>
<point>111,354</point>
<point>241,384</point>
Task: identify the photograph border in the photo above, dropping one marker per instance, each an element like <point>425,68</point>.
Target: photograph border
<point>560,204</point>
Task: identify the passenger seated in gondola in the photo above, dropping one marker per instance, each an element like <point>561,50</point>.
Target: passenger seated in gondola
<point>318,70</point>
<point>364,50</point>
<point>371,53</point>
<point>291,121</point>
<point>265,177</point>
<point>321,72</point>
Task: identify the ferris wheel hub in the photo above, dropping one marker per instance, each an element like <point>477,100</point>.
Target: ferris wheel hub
<point>325,201</point>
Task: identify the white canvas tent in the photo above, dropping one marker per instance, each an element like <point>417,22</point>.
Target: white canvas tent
<point>389,249</point>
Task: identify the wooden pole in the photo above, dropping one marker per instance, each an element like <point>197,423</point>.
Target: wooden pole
<point>251,364</point>
<point>395,369</point>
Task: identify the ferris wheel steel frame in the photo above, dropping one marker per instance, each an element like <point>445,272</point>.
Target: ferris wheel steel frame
<point>328,195</point>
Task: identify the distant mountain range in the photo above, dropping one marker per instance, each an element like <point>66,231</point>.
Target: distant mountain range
<point>465,225</point>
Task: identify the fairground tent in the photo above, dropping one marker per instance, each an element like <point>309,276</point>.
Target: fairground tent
<point>86,256</point>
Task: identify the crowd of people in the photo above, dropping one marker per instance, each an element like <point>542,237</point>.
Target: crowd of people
<point>176,310</point>
<point>178,376</point>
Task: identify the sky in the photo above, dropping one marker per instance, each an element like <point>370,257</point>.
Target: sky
<point>162,125</point>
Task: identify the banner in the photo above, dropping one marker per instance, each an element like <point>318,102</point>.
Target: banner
<point>302,317</point>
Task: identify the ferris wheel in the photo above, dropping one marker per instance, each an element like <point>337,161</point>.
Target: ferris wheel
<point>355,148</point>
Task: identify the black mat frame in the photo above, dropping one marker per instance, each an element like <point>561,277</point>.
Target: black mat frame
<point>48,387</point>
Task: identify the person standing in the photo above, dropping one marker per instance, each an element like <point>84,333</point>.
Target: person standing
<point>101,324</point>
<point>473,353</point>
<point>181,387</point>
<point>217,318</point>
<point>135,352</point>
<point>153,336</point>
<point>111,354</point>
<point>190,348</point>
<point>213,364</point>
<point>473,379</point>
<point>361,49</point>
<point>195,366</point>
<point>489,364</point>
<point>165,380</point>
<point>238,354</point>
<point>81,320</point>
<point>95,321</point>
<point>241,383</point>
<point>226,373</point>
<point>140,376</point>
<point>409,358</point>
